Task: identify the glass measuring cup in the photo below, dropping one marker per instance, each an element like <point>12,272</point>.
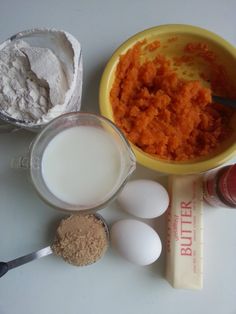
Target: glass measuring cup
<point>54,129</point>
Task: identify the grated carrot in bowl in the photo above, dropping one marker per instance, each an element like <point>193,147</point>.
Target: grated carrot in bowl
<point>164,114</point>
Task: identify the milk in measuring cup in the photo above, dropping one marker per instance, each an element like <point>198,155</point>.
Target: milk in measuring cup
<point>81,165</point>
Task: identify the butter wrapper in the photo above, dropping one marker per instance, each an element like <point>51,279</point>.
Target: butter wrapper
<point>185,232</point>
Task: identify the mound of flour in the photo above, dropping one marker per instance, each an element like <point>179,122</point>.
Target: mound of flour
<point>33,83</point>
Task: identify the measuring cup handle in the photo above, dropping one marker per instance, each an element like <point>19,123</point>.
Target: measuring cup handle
<point>8,128</point>
<point>20,162</point>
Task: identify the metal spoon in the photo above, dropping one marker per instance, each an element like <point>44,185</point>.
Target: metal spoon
<point>6,266</point>
<point>224,101</point>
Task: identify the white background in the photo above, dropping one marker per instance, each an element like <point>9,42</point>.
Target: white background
<point>112,285</point>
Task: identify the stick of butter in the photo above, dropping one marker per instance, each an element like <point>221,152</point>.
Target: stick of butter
<point>185,232</point>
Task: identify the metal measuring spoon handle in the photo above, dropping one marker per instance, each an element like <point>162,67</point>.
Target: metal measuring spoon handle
<point>6,266</point>
<point>3,268</point>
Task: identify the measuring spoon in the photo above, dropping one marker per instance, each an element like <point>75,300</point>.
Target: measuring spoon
<point>6,266</point>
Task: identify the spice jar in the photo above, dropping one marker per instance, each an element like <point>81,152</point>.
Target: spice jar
<point>220,187</point>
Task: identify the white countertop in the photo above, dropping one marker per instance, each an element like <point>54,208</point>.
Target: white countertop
<point>112,285</point>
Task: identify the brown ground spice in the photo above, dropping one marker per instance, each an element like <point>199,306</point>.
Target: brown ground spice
<point>81,239</point>
<point>165,115</point>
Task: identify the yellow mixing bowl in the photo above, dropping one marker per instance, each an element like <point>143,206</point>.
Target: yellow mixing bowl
<point>226,55</point>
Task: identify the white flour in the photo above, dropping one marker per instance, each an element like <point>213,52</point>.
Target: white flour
<point>22,95</point>
<point>35,85</point>
<point>47,66</point>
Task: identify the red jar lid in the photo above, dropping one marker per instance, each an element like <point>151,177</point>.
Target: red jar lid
<point>228,185</point>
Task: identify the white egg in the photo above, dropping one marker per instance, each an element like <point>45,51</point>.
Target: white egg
<point>144,198</point>
<point>136,241</point>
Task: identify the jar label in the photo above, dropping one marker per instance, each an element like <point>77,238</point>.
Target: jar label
<point>209,190</point>
<point>223,187</point>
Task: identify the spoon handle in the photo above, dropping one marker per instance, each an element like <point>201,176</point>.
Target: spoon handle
<point>224,101</point>
<point>4,267</point>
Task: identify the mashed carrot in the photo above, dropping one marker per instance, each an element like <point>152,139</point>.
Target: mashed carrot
<point>153,45</point>
<point>163,114</point>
